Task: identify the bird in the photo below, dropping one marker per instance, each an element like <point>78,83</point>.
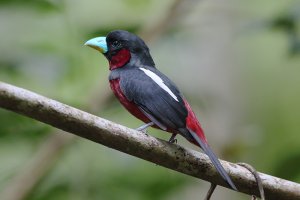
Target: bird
<point>148,94</point>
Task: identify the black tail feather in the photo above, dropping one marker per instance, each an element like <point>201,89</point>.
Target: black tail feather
<point>214,159</point>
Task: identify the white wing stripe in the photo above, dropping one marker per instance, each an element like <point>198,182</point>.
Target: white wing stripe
<point>159,82</point>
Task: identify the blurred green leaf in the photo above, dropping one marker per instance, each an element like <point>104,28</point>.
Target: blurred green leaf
<point>287,166</point>
<point>16,127</point>
<point>41,5</point>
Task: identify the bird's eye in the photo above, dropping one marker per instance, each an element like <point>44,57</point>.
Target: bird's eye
<point>116,44</point>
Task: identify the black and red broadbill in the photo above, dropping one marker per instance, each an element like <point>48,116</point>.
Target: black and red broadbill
<point>148,94</point>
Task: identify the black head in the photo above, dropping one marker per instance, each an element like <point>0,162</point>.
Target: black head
<point>120,39</point>
<point>122,45</point>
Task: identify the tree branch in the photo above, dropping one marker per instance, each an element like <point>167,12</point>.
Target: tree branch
<point>138,144</point>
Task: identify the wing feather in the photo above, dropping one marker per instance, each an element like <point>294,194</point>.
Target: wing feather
<point>153,99</point>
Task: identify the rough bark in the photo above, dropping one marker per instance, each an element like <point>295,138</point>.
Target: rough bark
<point>138,144</point>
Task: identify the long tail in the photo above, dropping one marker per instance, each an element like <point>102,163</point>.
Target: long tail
<point>213,159</point>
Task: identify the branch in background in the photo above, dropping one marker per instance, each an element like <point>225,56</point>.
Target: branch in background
<point>177,9</point>
<point>43,161</point>
<point>138,144</point>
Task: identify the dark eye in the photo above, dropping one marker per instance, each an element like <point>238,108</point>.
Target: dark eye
<point>116,44</point>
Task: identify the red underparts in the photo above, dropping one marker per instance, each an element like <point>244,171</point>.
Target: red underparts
<point>130,106</point>
<point>192,122</point>
<point>119,59</point>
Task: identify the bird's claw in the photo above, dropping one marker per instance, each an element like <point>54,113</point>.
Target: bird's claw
<point>172,141</point>
<point>145,131</point>
<point>253,197</point>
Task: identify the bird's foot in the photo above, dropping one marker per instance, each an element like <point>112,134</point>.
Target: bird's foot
<point>144,127</point>
<point>172,139</point>
<point>257,178</point>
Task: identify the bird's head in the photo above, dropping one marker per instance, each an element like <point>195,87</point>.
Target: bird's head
<point>122,47</point>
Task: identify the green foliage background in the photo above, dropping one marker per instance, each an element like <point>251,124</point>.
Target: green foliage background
<point>237,62</point>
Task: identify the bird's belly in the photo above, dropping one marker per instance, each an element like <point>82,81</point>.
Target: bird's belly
<point>129,105</point>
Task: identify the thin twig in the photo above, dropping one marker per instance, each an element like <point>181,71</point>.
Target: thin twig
<point>210,191</point>
<point>257,178</point>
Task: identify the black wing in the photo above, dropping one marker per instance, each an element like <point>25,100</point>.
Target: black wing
<point>152,99</point>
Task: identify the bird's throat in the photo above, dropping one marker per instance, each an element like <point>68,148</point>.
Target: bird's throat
<point>120,59</point>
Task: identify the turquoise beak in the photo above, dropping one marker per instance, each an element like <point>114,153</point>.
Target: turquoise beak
<point>98,43</point>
